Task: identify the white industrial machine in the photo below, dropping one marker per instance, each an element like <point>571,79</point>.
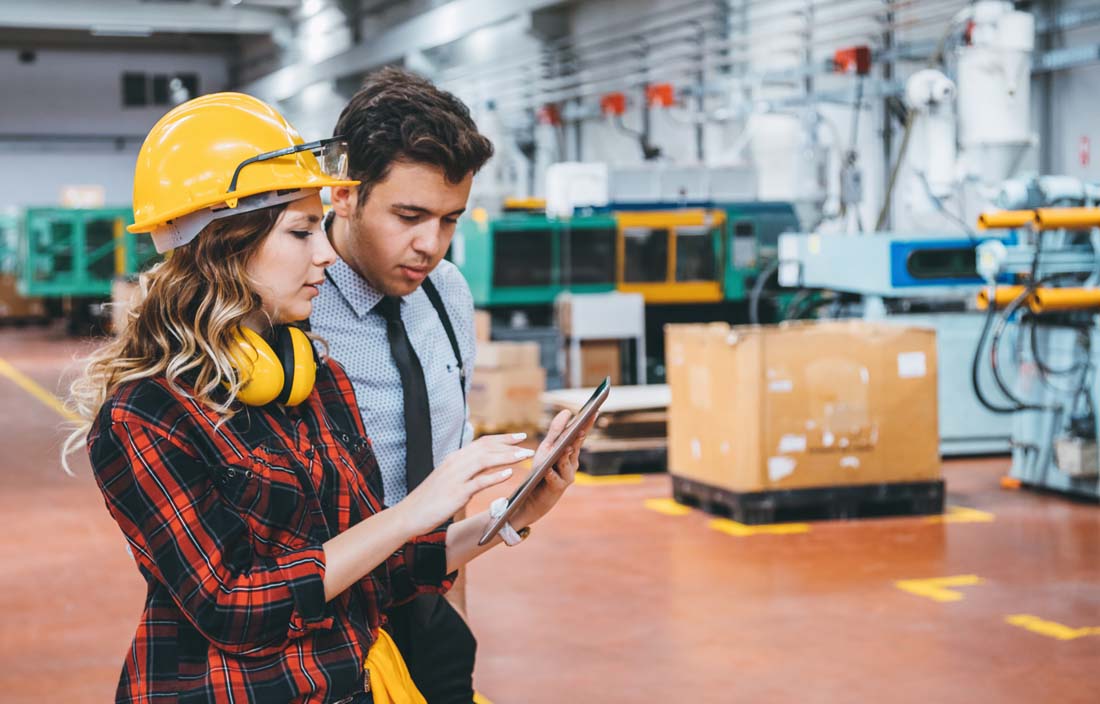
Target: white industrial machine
<point>965,139</point>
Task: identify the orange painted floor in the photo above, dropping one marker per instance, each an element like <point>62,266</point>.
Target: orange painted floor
<point>611,601</point>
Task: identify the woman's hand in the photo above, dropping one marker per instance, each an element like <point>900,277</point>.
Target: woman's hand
<point>483,463</point>
<point>546,494</point>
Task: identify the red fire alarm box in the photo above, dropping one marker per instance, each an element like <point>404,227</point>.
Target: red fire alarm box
<point>660,95</point>
<point>613,104</point>
<point>853,59</point>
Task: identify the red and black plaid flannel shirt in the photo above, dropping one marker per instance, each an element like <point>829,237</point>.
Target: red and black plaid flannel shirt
<point>226,523</point>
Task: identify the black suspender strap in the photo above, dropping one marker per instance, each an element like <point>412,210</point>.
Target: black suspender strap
<point>437,303</point>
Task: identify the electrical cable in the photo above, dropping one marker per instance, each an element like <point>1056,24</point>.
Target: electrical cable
<point>998,332</point>
<point>758,289</point>
<point>975,364</point>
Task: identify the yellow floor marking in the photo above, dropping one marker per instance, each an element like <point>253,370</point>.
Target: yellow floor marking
<point>480,699</point>
<point>1050,628</point>
<point>589,480</point>
<point>936,588</point>
<point>28,385</point>
<point>669,507</point>
<point>962,514</point>
<point>740,530</point>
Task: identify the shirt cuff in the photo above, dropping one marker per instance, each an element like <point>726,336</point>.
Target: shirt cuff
<point>305,577</point>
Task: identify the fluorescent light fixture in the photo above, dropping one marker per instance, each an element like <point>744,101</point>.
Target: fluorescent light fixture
<point>120,30</point>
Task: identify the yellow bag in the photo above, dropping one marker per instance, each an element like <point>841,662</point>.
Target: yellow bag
<point>390,682</point>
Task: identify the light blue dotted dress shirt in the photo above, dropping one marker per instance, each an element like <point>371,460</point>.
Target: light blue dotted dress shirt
<point>344,315</point>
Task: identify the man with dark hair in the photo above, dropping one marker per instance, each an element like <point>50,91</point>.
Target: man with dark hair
<point>400,318</point>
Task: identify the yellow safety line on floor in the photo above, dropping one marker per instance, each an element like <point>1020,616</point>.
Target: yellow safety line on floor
<point>611,479</point>
<point>936,588</point>
<point>741,530</point>
<point>1050,628</point>
<point>28,385</point>
<point>962,514</point>
<point>481,699</point>
<point>669,507</point>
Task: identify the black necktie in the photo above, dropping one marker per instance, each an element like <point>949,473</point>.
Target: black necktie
<point>418,417</point>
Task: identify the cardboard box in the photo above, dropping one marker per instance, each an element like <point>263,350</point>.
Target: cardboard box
<point>14,306</point>
<point>507,397</point>
<point>483,325</point>
<point>802,405</point>
<point>599,358</point>
<point>503,355</point>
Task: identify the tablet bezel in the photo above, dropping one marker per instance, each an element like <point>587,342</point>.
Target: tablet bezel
<point>537,473</point>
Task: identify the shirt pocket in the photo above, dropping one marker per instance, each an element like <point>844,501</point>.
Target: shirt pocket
<point>264,488</point>
<point>361,459</point>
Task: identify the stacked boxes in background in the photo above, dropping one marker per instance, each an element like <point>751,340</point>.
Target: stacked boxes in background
<point>599,359</point>
<point>507,386</point>
<point>14,306</point>
<point>802,405</point>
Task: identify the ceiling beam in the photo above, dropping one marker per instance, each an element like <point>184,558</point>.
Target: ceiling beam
<point>134,18</point>
<point>433,28</point>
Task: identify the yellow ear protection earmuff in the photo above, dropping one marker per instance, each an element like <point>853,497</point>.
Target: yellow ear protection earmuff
<point>285,374</point>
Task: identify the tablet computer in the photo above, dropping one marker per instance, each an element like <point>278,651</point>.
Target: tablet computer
<point>538,472</point>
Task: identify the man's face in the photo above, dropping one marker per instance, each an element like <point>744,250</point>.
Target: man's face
<point>400,234</point>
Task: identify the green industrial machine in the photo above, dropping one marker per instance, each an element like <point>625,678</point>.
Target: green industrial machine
<point>71,253</point>
<point>525,259</point>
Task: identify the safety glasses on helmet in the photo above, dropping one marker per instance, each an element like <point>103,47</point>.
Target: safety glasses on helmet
<point>331,153</point>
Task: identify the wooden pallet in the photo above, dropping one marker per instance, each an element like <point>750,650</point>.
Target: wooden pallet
<point>605,456</point>
<point>819,503</point>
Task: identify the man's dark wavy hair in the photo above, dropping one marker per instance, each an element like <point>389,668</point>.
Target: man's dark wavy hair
<point>397,116</point>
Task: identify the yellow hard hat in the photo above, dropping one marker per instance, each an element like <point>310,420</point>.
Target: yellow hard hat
<point>223,154</point>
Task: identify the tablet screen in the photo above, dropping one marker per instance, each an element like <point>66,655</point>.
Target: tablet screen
<point>538,472</point>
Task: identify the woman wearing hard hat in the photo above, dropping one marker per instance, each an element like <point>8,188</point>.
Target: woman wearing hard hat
<point>233,457</point>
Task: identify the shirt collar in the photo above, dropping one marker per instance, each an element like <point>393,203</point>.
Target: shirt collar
<point>360,295</point>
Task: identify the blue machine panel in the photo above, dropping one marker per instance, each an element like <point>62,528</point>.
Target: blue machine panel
<point>942,262</point>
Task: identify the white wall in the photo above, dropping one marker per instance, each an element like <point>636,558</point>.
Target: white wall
<point>64,95</point>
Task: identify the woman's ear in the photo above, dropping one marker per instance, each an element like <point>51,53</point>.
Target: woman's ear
<point>344,200</point>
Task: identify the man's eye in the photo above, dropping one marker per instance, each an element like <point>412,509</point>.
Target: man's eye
<point>301,234</point>
<point>451,221</point>
<point>408,218</point>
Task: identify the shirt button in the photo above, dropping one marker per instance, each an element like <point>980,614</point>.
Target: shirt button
<point>309,453</point>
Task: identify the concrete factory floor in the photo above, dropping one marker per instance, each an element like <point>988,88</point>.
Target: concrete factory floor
<point>616,598</point>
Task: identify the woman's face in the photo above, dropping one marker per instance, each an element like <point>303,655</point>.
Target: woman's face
<point>290,265</point>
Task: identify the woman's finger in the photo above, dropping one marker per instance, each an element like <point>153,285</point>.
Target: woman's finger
<point>494,458</point>
<point>484,481</point>
<point>504,439</point>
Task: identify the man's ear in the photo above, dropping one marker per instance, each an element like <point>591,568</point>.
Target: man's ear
<point>345,199</point>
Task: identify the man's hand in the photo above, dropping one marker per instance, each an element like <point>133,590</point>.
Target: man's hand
<point>550,489</point>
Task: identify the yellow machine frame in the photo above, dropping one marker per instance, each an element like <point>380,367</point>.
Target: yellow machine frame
<point>671,290</point>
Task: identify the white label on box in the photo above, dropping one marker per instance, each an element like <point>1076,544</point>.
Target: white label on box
<point>696,449</point>
<point>850,462</point>
<point>780,467</point>
<point>827,438</point>
<point>792,443</point>
<point>912,365</point>
<point>781,386</point>
<point>864,375</point>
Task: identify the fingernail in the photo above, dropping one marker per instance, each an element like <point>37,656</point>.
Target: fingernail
<point>519,436</point>
<point>506,473</point>
<point>524,454</point>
